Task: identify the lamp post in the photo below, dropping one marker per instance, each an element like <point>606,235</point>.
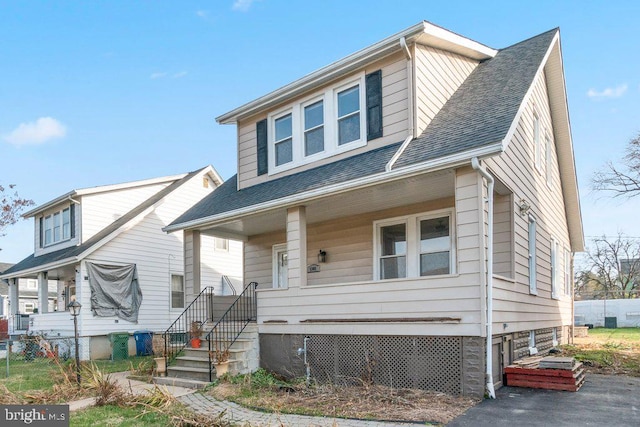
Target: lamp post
<point>74,308</point>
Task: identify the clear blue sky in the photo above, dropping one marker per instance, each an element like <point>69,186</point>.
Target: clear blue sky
<point>95,93</point>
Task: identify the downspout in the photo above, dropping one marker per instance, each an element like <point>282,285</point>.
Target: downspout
<point>490,183</point>
<point>410,106</point>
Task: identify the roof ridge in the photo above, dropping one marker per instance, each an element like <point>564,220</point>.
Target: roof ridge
<point>556,29</point>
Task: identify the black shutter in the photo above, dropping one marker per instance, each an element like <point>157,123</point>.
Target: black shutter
<point>263,152</point>
<point>72,219</point>
<point>374,104</point>
<point>41,231</point>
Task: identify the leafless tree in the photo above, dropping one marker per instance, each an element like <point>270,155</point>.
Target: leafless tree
<point>624,179</point>
<point>11,204</point>
<point>611,269</point>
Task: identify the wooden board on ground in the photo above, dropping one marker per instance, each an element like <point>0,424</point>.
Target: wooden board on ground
<point>551,362</point>
<point>528,375</point>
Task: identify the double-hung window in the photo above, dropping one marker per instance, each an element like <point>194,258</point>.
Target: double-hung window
<point>177,291</point>
<point>349,124</point>
<point>57,227</point>
<point>324,124</point>
<point>537,144</point>
<point>283,139</point>
<point>549,159</point>
<point>414,246</point>
<point>314,128</point>
<point>554,268</point>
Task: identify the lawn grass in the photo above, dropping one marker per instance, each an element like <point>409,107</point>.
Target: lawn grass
<point>42,373</point>
<point>112,416</point>
<point>608,351</point>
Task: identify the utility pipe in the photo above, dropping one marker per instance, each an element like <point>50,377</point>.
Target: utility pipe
<point>410,85</point>
<point>490,183</point>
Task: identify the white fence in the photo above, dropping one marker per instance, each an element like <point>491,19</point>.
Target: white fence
<point>626,312</point>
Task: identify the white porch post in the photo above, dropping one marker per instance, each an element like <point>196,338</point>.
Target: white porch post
<point>14,297</point>
<point>191,264</point>
<point>43,293</point>
<point>297,246</point>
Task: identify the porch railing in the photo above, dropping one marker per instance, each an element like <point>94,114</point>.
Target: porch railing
<point>227,330</point>
<point>178,334</point>
<point>19,322</point>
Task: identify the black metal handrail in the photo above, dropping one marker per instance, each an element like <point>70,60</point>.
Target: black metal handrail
<point>229,327</point>
<point>179,333</point>
<point>225,280</point>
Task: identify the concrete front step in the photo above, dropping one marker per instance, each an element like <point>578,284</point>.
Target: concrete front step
<point>192,362</point>
<point>200,374</point>
<point>181,382</point>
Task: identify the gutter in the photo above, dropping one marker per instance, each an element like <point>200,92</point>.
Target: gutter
<point>490,182</point>
<point>455,160</point>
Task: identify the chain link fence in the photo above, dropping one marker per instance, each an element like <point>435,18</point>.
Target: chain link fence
<point>36,351</point>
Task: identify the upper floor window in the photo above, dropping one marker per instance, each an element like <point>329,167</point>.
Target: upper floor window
<point>57,226</point>
<point>549,159</point>
<point>533,288</point>
<point>318,126</point>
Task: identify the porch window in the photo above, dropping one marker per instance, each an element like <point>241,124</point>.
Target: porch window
<point>280,267</point>
<point>177,291</point>
<point>393,257</point>
<point>414,246</point>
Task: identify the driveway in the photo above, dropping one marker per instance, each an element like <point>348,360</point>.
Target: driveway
<point>602,401</point>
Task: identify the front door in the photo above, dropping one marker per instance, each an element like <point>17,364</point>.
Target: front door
<point>280,268</point>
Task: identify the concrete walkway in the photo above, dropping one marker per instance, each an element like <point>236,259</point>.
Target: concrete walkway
<point>237,414</point>
<point>135,386</point>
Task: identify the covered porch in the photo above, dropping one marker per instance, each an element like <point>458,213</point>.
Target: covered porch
<point>403,255</point>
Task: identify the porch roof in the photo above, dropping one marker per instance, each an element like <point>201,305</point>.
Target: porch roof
<point>228,198</point>
<point>73,253</point>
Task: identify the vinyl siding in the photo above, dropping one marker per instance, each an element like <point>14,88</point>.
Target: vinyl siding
<point>438,75</point>
<point>394,112</point>
<point>344,288</point>
<point>101,209</point>
<point>157,255</point>
<point>513,305</point>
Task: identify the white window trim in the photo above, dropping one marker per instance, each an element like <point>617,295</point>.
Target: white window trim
<point>568,280</point>
<point>532,234</point>
<point>532,343</point>
<point>274,261</point>
<point>549,158</point>
<point>554,246</point>
<point>184,291</point>
<point>44,227</point>
<point>329,96</point>
<point>554,337</point>
<point>537,143</point>
<point>215,244</point>
<point>413,243</point>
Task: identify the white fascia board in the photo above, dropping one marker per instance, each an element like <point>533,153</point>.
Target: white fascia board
<point>441,37</point>
<point>405,172</point>
<point>43,267</point>
<point>101,189</point>
<point>528,94</point>
<point>356,60</point>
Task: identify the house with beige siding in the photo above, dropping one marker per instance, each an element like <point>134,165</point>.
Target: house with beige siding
<point>409,213</point>
<point>116,228</point>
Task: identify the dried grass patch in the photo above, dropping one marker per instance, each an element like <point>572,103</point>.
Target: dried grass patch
<point>365,402</point>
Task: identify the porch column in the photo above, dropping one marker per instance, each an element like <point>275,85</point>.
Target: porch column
<point>191,263</point>
<point>43,293</point>
<point>14,297</point>
<point>297,246</point>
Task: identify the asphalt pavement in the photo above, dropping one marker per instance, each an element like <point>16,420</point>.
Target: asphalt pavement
<point>603,400</point>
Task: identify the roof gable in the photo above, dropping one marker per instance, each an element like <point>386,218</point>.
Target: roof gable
<point>103,235</point>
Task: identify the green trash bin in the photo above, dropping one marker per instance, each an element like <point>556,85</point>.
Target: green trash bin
<point>119,345</point>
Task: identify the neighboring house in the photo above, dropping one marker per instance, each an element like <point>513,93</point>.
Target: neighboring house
<point>409,212</point>
<point>28,303</point>
<point>117,229</point>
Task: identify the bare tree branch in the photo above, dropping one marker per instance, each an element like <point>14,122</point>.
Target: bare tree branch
<point>11,204</point>
<point>624,179</point>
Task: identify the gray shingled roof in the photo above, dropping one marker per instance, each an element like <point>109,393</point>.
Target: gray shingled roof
<point>483,108</point>
<point>227,197</point>
<point>479,113</point>
<point>32,261</point>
